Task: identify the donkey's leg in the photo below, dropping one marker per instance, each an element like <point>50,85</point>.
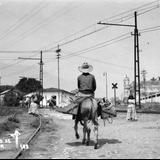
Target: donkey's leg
<point>88,136</point>
<point>96,136</point>
<point>84,132</point>
<point>76,129</point>
<point>95,122</point>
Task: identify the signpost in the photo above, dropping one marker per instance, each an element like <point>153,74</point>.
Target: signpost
<point>114,86</point>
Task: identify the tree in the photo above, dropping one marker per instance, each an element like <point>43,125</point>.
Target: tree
<point>12,98</point>
<point>28,85</point>
<point>5,87</point>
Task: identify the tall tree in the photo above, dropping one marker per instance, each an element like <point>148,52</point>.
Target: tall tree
<point>28,85</point>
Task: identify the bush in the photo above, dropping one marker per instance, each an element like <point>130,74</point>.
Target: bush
<point>11,99</point>
<point>13,119</point>
<point>8,126</point>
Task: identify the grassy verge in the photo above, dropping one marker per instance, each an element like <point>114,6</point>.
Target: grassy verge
<point>9,125</point>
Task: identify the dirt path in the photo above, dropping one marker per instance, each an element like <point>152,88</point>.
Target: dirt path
<point>121,139</point>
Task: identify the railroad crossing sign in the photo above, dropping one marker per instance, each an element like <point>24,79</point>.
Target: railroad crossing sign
<point>114,85</point>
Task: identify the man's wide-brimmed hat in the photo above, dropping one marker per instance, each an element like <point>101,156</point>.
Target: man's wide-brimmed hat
<point>85,68</point>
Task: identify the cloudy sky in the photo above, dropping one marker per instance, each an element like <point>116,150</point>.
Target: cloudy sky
<point>29,26</point>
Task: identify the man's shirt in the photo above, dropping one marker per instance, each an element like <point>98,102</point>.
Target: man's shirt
<point>86,83</point>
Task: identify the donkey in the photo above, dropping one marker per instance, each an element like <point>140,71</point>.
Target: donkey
<point>91,109</point>
<point>87,111</point>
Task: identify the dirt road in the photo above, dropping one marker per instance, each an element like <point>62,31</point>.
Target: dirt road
<point>120,140</point>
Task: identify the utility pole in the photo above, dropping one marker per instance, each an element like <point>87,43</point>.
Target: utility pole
<point>41,75</point>
<point>40,72</point>
<point>105,74</point>
<point>136,58</point>
<point>58,57</point>
<point>136,64</point>
<point>114,86</point>
<point>0,93</point>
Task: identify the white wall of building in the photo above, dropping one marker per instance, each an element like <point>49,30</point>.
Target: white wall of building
<point>62,100</point>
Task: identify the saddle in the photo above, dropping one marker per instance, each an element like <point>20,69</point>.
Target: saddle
<point>73,107</point>
<point>104,110</point>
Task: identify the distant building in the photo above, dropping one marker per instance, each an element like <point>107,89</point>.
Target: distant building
<point>127,88</point>
<point>150,90</point>
<point>17,93</point>
<point>62,97</point>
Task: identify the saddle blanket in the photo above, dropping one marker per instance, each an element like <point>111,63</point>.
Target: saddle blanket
<point>70,109</point>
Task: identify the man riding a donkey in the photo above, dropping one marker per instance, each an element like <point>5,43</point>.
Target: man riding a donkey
<point>85,107</point>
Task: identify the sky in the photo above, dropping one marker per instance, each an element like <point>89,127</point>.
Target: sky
<point>29,26</point>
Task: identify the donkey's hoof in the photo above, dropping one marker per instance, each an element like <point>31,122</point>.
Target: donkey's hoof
<point>96,146</point>
<point>77,136</point>
<point>87,143</point>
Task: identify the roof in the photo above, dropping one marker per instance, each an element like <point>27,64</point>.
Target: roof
<point>4,92</point>
<point>11,90</point>
<point>55,90</point>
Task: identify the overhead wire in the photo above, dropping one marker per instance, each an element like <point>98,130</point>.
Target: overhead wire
<point>100,45</point>
<point>108,63</point>
<point>126,17</point>
<point>92,32</point>
<point>15,63</point>
<point>22,20</point>
<point>108,19</point>
<point>35,28</point>
<point>83,51</point>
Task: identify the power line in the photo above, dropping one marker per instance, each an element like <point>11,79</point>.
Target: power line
<point>66,42</point>
<point>35,28</point>
<point>150,29</point>
<point>99,45</point>
<point>90,33</point>
<point>105,62</point>
<point>132,10</point>
<point>77,53</point>
<point>86,49</point>
<point>22,20</point>
<point>108,19</point>
<point>90,26</point>
<point>116,20</point>
<point>12,64</point>
<point>31,51</point>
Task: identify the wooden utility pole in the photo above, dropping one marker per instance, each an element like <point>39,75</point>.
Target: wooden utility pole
<point>136,65</point>
<point>114,86</point>
<point>136,58</point>
<point>0,94</point>
<point>58,57</point>
<point>41,74</point>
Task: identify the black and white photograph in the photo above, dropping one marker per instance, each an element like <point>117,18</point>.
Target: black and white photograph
<point>79,79</point>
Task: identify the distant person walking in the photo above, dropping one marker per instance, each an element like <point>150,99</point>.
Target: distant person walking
<point>33,106</point>
<point>131,110</point>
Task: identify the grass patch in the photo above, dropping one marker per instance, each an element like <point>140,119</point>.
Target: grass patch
<point>6,111</point>
<point>35,123</point>
<point>13,119</point>
<point>8,126</point>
